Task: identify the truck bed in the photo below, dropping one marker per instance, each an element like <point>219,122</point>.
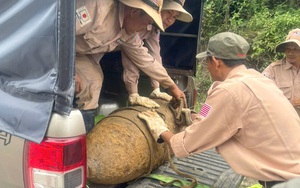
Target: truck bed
<point>208,167</point>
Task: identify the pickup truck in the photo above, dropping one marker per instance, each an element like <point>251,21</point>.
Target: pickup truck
<point>42,136</point>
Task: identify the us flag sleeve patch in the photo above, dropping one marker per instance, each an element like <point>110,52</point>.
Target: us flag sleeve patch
<point>205,110</point>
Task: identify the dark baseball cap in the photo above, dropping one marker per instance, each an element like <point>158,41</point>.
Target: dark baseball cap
<point>226,45</point>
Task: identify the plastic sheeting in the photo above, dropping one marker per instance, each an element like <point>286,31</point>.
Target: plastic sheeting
<point>36,64</point>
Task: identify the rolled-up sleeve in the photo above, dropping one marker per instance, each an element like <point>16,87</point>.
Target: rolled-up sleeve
<point>178,145</point>
<point>218,124</point>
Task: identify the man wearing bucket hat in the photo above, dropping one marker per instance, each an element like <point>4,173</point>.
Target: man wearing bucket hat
<point>101,27</point>
<point>171,10</point>
<point>245,117</point>
<point>285,72</point>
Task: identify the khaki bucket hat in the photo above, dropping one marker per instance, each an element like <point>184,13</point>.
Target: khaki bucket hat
<point>178,6</point>
<point>293,36</point>
<point>226,45</point>
<point>151,7</point>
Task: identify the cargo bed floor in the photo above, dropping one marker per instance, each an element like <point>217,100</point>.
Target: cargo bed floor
<point>209,168</point>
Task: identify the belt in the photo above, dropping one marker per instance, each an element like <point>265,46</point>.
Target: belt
<point>269,184</point>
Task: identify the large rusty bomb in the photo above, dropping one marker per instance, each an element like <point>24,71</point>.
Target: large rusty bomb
<point>120,148</point>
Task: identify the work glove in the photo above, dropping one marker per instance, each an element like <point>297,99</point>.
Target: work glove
<point>135,99</point>
<point>154,122</point>
<point>156,94</point>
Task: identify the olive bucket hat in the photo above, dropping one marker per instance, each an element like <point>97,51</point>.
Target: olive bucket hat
<point>226,45</point>
<point>151,7</point>
<point>292,37</point>
<point>177,5</point>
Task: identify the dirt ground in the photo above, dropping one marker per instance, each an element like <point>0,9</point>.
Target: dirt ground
<point>247,182</point>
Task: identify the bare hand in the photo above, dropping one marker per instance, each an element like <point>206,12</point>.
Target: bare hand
<point>178,94</point>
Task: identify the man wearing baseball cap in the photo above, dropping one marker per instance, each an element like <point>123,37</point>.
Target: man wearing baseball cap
<point>101,27</point>
<point>172,10</point>
<point>246,118</point>
<point>285,72</point>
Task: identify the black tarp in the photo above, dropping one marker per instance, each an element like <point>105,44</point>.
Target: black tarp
<point>179,44</point>
<point>36,64</point>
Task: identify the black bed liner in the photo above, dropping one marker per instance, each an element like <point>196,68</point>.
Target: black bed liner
<point>209,168</point>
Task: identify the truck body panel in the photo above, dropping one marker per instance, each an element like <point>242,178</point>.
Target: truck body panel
<point>11,161</point>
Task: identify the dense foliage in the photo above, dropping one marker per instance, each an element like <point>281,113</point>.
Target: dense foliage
<point>263,23</point>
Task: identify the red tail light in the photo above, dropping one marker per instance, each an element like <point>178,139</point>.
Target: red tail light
<point>59,163</point>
